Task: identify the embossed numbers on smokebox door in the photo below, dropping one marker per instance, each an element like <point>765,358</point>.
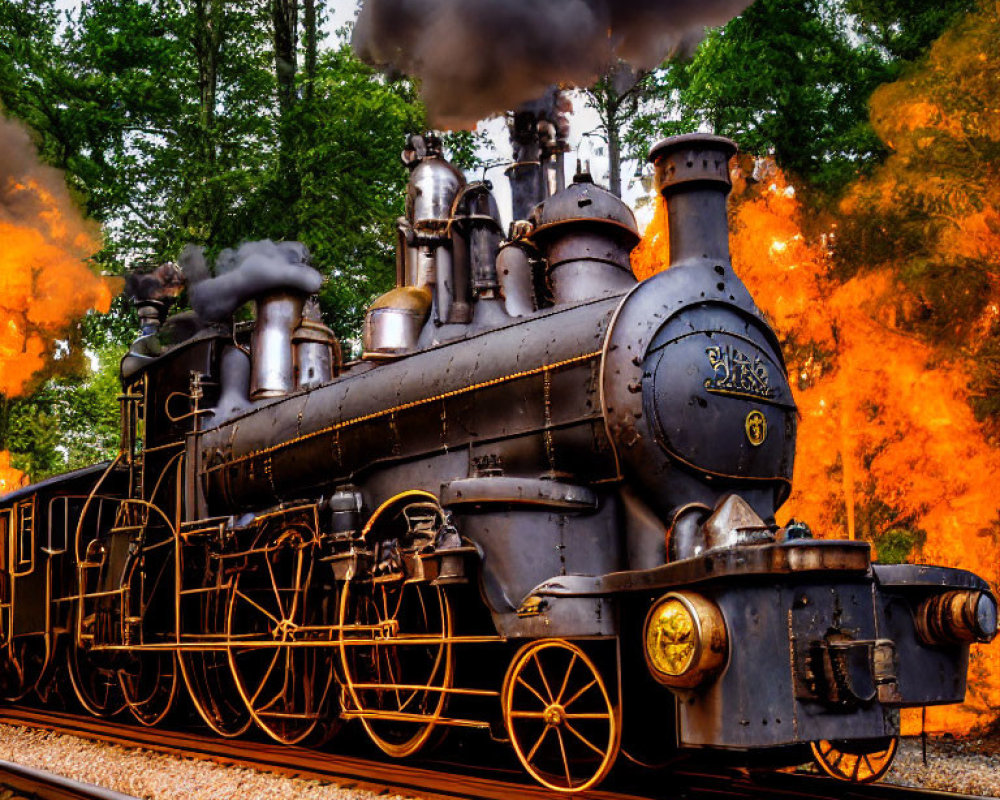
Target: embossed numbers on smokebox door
<point>737,373</point>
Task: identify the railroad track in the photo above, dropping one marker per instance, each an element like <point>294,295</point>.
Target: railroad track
<point>435,780</point>
<point>47,786</point>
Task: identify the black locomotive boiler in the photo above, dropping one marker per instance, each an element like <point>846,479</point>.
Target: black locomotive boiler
<point>542,505</point>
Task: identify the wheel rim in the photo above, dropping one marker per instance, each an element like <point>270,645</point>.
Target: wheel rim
<point>96,687</point>
<point>283,681</point>
<point>149,679</point>
<point>210,684</point>
<point>207,675</point>
<point>149,685</point>
<point>857,762</point>
<point>562,723</point>
<point>24,662</point>
<point>397,685</point>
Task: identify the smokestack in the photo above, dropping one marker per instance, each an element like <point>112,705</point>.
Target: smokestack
<point>538,133</point>
<point>692,174</point>
<point>273,371</point>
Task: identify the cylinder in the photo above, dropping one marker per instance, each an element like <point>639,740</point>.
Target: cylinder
<point>516,281</point>
<point>273,373</point>
<point>692,174</point>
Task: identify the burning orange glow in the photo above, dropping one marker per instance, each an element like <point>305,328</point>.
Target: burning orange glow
<point>652,254</point>
<point>10,477</point>
<point>889,449</point>
<point>45,283</point>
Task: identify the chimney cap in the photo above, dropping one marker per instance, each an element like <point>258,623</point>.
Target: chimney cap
<point>692,141</point>
<point>692,160</point>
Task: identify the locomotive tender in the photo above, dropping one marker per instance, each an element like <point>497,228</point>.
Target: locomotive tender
<point>543,505</point>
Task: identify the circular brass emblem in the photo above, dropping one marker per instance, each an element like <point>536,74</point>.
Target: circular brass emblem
<point>756,427</point>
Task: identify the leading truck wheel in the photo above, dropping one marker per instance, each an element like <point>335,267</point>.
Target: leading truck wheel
<point>862,761</point>
<point>563,724</point>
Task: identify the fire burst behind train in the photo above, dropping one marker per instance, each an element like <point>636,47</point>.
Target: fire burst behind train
<point>541,505</point>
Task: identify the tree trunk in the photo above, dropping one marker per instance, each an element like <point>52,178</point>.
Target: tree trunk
<point>207,41</point>
<point>614,151</point>
<point>285,17</point>
<point>309,23</point>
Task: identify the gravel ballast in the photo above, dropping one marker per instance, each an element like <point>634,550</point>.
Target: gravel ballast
<point>967,766</point>
<point>159,776</point>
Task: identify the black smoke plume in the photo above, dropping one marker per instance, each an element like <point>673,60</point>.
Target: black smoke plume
<point>475,58</point>
<point>254,268</point>
<point>164,282</point>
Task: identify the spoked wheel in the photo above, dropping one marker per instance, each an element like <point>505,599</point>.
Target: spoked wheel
<point>149,685</point>
<point>95,685</point>
<point>92,674</point>
<point>149,676</point>
<point>397,659</point>
<point>862,761</point>
<point>276,618</point>
<point>562,722</point>
<point>23,662</point>
<point>206,673</point>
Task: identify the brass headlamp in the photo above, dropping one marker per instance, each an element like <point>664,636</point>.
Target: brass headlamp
<point>685,638</point>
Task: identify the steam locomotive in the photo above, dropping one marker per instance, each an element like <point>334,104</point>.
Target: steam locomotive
<point>541,505</point>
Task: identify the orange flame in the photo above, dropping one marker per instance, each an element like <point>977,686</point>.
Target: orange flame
<point>652,254</point>
<point>11,478</point>
<point>45,283</point>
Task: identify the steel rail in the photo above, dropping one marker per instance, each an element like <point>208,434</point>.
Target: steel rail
<point>451,781</point>
<point>49,786</point>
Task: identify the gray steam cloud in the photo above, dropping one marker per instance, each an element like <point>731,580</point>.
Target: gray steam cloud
<point>479,57</point>
<point>241,274</point>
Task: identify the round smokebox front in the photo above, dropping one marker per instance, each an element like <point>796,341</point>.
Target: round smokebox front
<point>718,397</point>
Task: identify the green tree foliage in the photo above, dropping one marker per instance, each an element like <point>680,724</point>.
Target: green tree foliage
<point>200,121</point>
<point>353,182</point>
<point>786,77</point>
<point>905,28</point>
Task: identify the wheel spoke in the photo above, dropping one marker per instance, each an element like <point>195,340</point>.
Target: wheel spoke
<point>541,674</point>
<point>579,694</point>
<point>871,769</point>
<point>258,606</point>
<point>532,689</point>
<point>562,749</point>
<point>569,670</point>
<point>274,585</point>
<point>585,740</point>
<point>298,587</point>
<point>266,678</point>
<point>538,743</point>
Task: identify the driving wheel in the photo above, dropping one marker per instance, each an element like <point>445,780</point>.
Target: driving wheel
<point>396,658</point>
<point>275,634</point>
